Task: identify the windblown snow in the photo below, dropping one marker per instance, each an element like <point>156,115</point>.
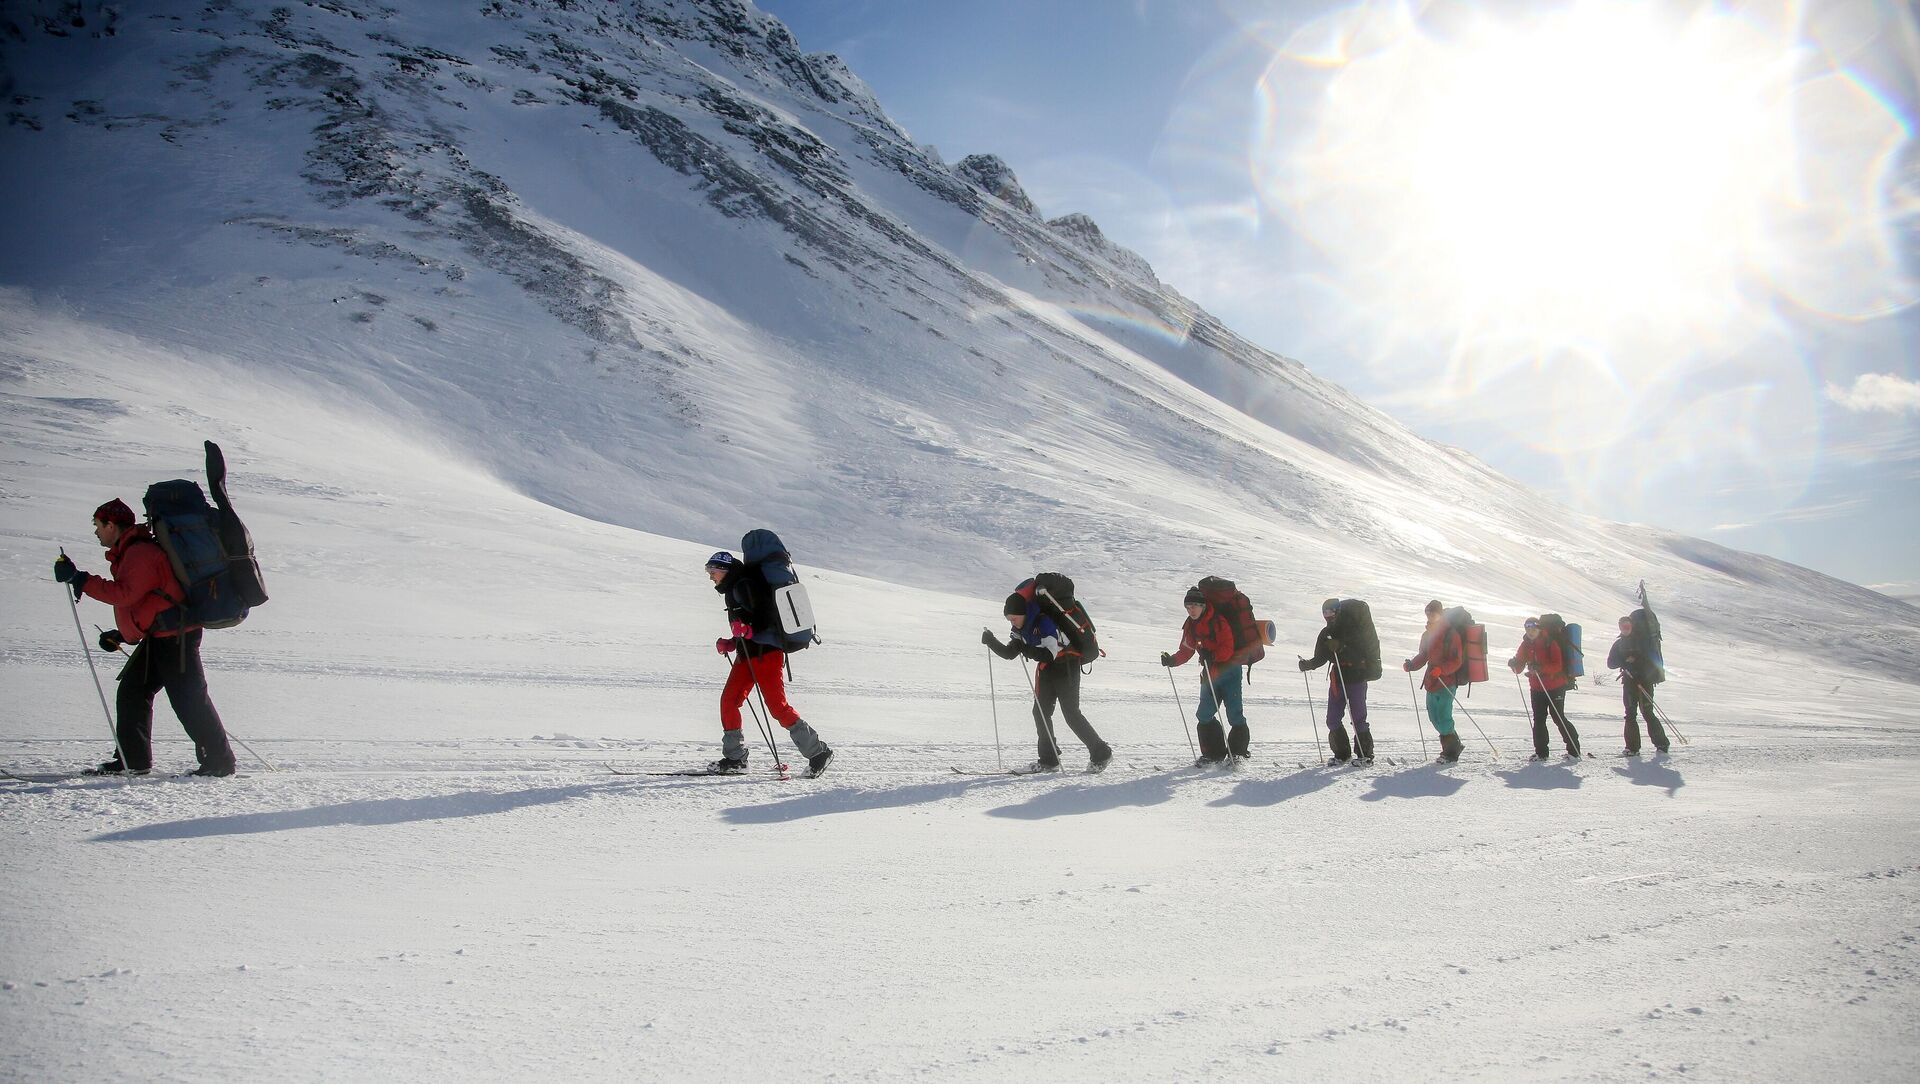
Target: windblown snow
<point>508,313</point>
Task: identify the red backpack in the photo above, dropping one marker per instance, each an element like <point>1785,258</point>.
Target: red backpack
<point>1231,603</point>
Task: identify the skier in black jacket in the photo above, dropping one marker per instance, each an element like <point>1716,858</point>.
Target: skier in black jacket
<point>1632,655</point>
<point>1346,688</point>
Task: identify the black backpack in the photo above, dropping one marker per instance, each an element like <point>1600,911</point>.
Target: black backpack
<point>1646,643</point>
<point>767,557</point>
<point>210,550</point>
<point>1054,592</point>
<point>1353,628</point>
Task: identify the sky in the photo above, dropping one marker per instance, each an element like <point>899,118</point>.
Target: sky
<point>1659,261</point>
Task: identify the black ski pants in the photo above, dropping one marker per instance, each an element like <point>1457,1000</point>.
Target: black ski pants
<point>171,663</point>
<point>1637,698</point>
<point>1058,683</point>
<point>1552,705</point>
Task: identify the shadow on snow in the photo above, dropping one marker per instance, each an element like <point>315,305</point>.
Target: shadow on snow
<point>376,811</point>
<point>1419,781</point>
<point>1538,776</point>
<point>1651,773</point>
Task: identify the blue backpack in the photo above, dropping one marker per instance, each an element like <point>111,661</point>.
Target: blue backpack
<point>767,557</point>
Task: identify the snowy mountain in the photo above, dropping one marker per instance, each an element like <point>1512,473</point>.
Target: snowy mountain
<point>652,264</point>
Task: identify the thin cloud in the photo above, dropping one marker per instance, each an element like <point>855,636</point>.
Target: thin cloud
<point>1883,392</point>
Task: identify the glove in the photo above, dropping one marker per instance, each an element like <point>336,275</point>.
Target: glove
<point>1407,666</point>
<point>1514,665</point>
<point>724,645</point>
<point>1304,664</point>
<point>742,630</point>
<point>1037,654</point>
<point>1166,659</point>
<point>988,639</point>
<point>111,640</point>
<point>63,570</point>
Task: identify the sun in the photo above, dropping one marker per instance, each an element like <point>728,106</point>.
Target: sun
<point>1587,171</point>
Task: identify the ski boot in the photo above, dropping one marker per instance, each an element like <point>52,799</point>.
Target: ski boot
<point>817,763</point>
<point>113,767</point>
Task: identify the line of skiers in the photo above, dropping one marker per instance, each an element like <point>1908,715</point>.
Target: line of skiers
<point>769,616</point>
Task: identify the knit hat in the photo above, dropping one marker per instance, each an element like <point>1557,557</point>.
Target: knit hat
<point>1330,606</point>
<point>722,560</point>
<point>1014,605</point>
<point>116,512</point>
<point>1194,598</point>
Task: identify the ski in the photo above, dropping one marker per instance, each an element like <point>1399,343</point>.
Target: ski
<point>695,773</point>
<point>1007,771</point>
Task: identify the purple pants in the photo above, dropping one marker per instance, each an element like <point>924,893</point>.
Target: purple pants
<point>1337,702</point>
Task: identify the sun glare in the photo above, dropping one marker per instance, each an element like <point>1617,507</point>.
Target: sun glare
<point>1596,163</point>
<point>1593,173</point>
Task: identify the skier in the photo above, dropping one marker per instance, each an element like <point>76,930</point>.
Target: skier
<point>1546,668</point>
<point>142,587</point>
<point>1056,680</point>
<point>1442,653</point>
<point>1209,634</point>
<point>756,665</point>
<point>1638,674</point>
<point>1346,688</point>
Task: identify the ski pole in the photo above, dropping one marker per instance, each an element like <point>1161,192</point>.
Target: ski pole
<point>1665,719</point>
<point>1415,698</point>
<point>765,732</point>
<point>1313,720</point>
<point>1476,723</point>
<point>1219,709</point>
<point>1526,705</point>
<point>1045,719</point>
<point>1569,737</point>
<point>73,603</point>
<point>1346,696</point>
<point>993,695</point>
<point>122,649</point>
<point>1181,710</point>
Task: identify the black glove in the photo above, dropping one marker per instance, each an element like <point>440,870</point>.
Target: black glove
<point>63,569</point>
<point>988,639</point>
<point>111,640</point>
<point>1305,664</point>
<point>1166,659</point>
<point>1037,654</point>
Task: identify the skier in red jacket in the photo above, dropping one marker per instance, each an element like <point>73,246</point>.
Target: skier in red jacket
<point>1208,633</point>
<point>142,587</point>
<point>1442,653</point>
<point>1546,668</point>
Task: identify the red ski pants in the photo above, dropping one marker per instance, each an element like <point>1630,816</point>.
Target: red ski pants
<point>769,670</point>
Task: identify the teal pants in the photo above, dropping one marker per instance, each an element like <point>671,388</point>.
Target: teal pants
<point>1227,683</point>
<point>1440,710</point>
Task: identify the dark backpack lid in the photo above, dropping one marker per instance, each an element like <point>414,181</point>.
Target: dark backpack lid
<point>761,545</point>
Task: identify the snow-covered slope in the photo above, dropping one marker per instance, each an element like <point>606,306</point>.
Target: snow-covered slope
<point>651,264</point>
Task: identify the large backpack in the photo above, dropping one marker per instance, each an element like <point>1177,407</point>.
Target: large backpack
<point>766,557</point>
<point>1054,592</point>
<point>1568,637</point>
<point>210,550</point>
<point>1473,647</point>
<point>1353,628</point>
<point>1249,646</point>
<point>1646,641</point>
